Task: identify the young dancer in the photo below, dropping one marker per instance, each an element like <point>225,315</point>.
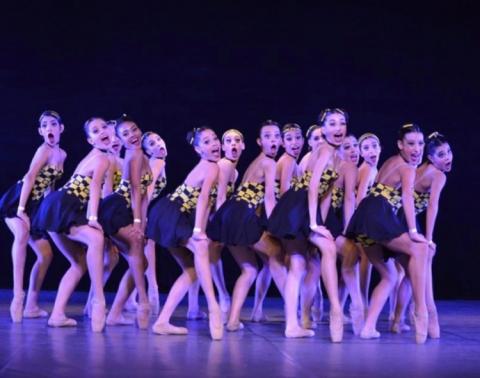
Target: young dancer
<point>376,224</point>
<point>70,215</point>
<point>18,207</point>
<point>178,222</point>
<point>237,224</point>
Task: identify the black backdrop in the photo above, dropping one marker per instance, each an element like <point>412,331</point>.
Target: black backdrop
<point>176,67</point>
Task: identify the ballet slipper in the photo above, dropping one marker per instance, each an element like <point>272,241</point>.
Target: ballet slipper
<point>143,314</point>
<point>336,326</point>
<point>34,313</point>
<point>233,327</point>
<point>421,327</point>
<point>130,306</point>
<point>16,307</point>
<point>154,301</point>
<point>196,315</point>
<point>369,334</point>
<point>433,325</point>
<point>215,324</point>
<point>357,316</point>
<point>298,332</point>
<point>98,316</point>
<point>168,329</point>
<point>119,321</point>
<point>61,321</point>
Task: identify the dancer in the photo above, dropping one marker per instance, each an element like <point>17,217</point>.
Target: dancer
<point>297,219</point>
<point>237,225</point>
<point>123,217</point>
<point>177,222</point>
<point>70,215</point>
<point>429,183</point>
<point>376,224</point>
<point>18,207</point>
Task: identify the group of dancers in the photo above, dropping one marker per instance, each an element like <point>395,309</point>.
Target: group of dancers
<point>298,217</point>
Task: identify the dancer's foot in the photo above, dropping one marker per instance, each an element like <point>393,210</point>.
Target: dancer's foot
<point>421,327</point>
<point>297,332</point>
<point>168,329</point>
<point>307,323</point>
<point>98,316</point>
<point>336,326</point>
<point>233,327</point>
<point>317,314</point>
<point>32,313</point>
<point>61,321</point>
<point>258,317</point>
<point>399,327</point>
<point>215,324</point>
<point>433,325</point>
<point>16,307</point>
<point>120,320</point>
<point>196,315</point>
<point>369,333</point>
<point>154,300</point>
<point>357,316</point>
<point>130,305</point>
<point>143,314</point>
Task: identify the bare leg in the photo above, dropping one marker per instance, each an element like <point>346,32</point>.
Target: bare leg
<point>202,267</point>
<point>388,277</point>
<point>330,280</point>
<point>178,290</point>
<point>365,275</point>
<point>151,274</point>
<point>247,262</point>
<point>262,283</point>
<point>392,299</point>
<point>115,316</point>
<point>433,325</point>
<point>308,291</point>
<point>19,254</point>
<point>43,250</point>
<point>193,312</point>
<point>276,259</point>
<point>219,278</point>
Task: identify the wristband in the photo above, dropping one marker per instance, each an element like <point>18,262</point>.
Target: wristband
<point>413,230</point>
<point>197,230</point>
<point>21,209</point>
<point>137,220</point>
<point>92,218</point>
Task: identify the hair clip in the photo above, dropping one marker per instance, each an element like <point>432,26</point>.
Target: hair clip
<point>434,135</point>
<point>235,131</point>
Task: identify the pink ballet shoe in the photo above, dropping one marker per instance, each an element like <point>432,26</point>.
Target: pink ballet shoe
<point>215,324</point>
<point>234,327</point>
<point>143,314</point>
<point>433,325</point>
<point>34,313</point>
<point>98,316</point>
<point>154,300</point>
<point>369,334</point>
<point>357,316</point>
<point>336,326</point>
<point>168,329</point>
<point>16,307</point>
<point>196,315</point>
<point>61,321</point>
<point>298,332</point>
<point>119,321</point>
<point>421,327</point>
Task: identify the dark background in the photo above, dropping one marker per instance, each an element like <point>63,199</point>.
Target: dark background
<point>176,67</point>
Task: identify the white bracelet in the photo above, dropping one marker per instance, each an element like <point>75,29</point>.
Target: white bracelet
<point>21,209</point>
<point>413,230</point>
<point>430,242</point>
<point>313,226</point>
<point>92,218</point>
<point>137,220</point>
<point>197,230</point>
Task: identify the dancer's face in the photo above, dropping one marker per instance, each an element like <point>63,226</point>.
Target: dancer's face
<point>411,147</point>
<point>155,146</point>
<point>334,128</point>
<point>115,145</point>
<point>442,158</point>
<point>293,142</point>
<point>50,129</point>
<point>370,150</point>
<point>99,134</point>
<point>233,145</point>
<point>349,150</point>
<point>270,140</point>
<point>130,134</point>
<point>208,146</point>
<point>315,138</point>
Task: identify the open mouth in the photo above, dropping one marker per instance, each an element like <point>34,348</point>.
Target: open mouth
<point>51,137</point>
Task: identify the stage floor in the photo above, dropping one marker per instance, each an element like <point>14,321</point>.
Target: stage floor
<point>31,349</point>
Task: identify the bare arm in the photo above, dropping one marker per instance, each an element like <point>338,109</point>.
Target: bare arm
<point>286,174</point>
<point>438,183</point>
<point>107,187</point>
<point>157,166</point>
<point>225,172</point>
<point>269,167</point>
<point>202,210</point>
<point>99,170</point>
<point>350,181</point>
<point>407,174</point>
<point>364,179</point>
<point>320,165</point>
<point>134,161</point>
